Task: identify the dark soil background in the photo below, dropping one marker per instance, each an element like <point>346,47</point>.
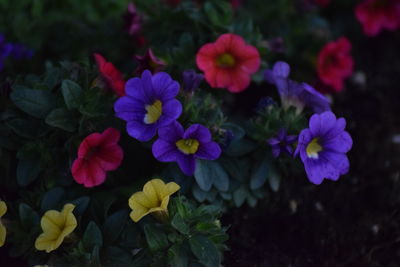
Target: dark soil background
<point>355,221</point>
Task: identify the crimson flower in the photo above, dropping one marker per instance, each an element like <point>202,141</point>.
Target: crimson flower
<point>97,154</point>
<point>376,15</point>
<point>228,63</point>
<point>335,63</point>
<point>111,75</point>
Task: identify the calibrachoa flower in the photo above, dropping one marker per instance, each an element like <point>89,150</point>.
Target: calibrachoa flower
<point>133,21</point>
<point>377,15</point>
<point>3,231</point>
<point>295,94</point>
<point>228,63</point>
<point>112,76</point>
<point>56,226</point>
<point>323,147</point>
<point>191,80</point>
<point>149,62</point>
<point>335,63</point>
<point>184,147</point>
<point>97,154</point>
<point>282,143</point>
<point>149,104</point>
<point>5,51</point>
<point>153,199</point>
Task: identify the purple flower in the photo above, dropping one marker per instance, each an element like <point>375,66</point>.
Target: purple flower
<point>133,21</point>
<point>20,51</point>
<point>149,104</point>
<point>282,143</point>
<point>191,80</point>
<point>323,147</point>
<point>5,51</point>
<point>295,94</point>
<point>150,62</point>
<point>184,147</point>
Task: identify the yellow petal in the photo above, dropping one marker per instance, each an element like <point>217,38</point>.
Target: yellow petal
<point>52,223</point>
<point>142,199</point>
<point>172,188</point>
<point>164,203</point>
<point>3,208</point>
<point>45,242</point>
<point>151,189</point>
<point>3,233</point>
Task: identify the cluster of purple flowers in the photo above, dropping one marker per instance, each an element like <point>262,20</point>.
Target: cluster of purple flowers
<point>150,107</point>
<point>17,51</point>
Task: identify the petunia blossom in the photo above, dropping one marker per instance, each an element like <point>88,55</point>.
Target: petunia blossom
<point>97,154</point>
<point>323,147</point>
<point>335,63</point>
<point>153,199</point>
<point>56,226</point>
<point>298,95</point>
<point>112,76</point>
<point>378,15</point>
<point>149,62</point>
<point>3,231</point>
<point>149,104</point>
<point>228,63</point>
<point>184,147</point>
<point>282,142</point>
<point>191,80</point>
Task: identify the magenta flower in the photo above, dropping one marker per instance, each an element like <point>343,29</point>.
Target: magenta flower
<point>323,147</point>
<point>282,143</point>
<point>184,147</point>
<point>149,104</point>
<point>149,62</point>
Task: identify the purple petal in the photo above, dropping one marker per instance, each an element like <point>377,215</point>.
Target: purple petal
<point>276,151</point>
<point>134,88</point>
<point>198,132</point>
<point>281,134</point>
<point>273,141</point>
<point>320,124</point>
<point>313,171</point>
<point>128,108</point>
<point>337,129</point>
<point>165,87</point>
<point>269,76</point>
<point>341,143</point>
<point>141,131</point>
<point>165,151</point>
<point>291,138</point>
<point>288,149</point>
<point>314,99</point>
<point>304,138</point>
<point>147,85</point>
<point>210,151</point>
<point>281,69</point>
<point>187,163</point>
<point>338,160</point>
<point>171,133</point>
<point>171,111</point>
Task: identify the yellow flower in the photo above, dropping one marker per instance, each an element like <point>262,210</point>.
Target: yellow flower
<point>3,231</point>
<point>56,226</point>
<point>154,198</point>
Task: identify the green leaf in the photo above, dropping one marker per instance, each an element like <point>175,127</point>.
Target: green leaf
<point>202,175</point>
<point>118,256</point>
<point>61,118</point>
<point>36,103</point>
<point>177,256</point>
<point>238,132</point>
<point>92,237</point>
<point>114,225</point>
<point>28,216</point>
<point>80,205</point>
<point>156,239</point>
<point>72,94</point>
<point>179,224</point>
<point>27,171</point>
<point>239,196</point>
<point>274,179</point>
<point>210,172</point>
<point>259,173</point>
<point>28,128</point>
<point>198,194</point>
<point>221,178</point>
<point>204,250</point>
<point>52,198</point>
<point>240,148</point>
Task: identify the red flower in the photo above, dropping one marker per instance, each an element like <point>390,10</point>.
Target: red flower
<point>111,75</point>
<point>376,15</point>
<point>228,63</point>
<point>97,154</point>
<point>335,63</point>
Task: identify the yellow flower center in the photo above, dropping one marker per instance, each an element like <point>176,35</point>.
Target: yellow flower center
<point>226,60</point>
<point>153,112</point>
<point>188,146</point>
<point>313,148</point>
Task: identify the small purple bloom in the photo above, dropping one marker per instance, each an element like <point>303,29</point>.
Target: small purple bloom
<point>5,51</point>
<point>149,104</point>
<point>20,51</point>
<point>323,147</point>
<point>133,21</point>
<point>282,143</point>
<point>191,80</point>
<point>264,102</point>
<point>184,147</point>
<point>149,62</point>
<point>295,94</point>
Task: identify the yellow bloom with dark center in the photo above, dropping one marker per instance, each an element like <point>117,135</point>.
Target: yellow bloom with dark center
<point>153,199</point>
<point>313,148</point>
<point>188,146</point>
<point>3,231</point>
<point>56,226</point>
<point>154,112</point>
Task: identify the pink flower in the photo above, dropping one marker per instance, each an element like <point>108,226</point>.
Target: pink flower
<point>335,63</point>
<point>149,62</point>
<point>97,154</point>
<point>112,76</point>
<point>377,15</point>
<point>228,63</point>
